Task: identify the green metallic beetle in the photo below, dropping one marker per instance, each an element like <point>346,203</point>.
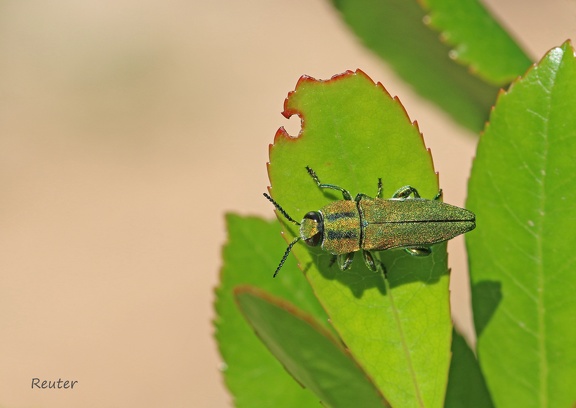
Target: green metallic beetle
<point>347,226</point>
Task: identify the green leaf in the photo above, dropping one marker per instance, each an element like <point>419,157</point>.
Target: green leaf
<point>394,30</point>
<point>522,254</point>
<point>480,41</point>
<point>251,373</point>
<point>466,385</point>
<point>310,353</point>
<point>398,328</point>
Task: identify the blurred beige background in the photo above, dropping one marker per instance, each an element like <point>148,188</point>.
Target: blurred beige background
<point>127,129</point>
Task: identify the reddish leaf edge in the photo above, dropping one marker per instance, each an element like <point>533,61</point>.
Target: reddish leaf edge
<point>304,317</point>
<point>289,112</point>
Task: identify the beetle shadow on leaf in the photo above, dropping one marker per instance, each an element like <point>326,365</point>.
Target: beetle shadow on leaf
<point>401,268</point>
<point>404,268</point>
<point>358,278</point>
<point>486,296</point>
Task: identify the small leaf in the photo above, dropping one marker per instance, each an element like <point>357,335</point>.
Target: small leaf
<point>481,42</point>
<point>310,353</point>
<point>395,31</point>
<point>466,385</point>
<point>252,374</point>
<point>398,328</point>
<point>522,258</point>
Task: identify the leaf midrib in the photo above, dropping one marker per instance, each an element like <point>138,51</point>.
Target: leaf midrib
<point>404,345</point>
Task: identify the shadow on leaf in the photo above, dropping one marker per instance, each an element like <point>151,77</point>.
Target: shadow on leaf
<point>486,296</point>
<point>401,268</point>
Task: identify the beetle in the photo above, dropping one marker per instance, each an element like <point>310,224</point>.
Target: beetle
<point>368,224</point>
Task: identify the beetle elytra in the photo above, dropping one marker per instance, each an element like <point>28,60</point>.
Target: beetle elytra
<point>368,224</point>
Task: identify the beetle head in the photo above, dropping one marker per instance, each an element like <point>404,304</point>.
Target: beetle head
<point>312,228</point>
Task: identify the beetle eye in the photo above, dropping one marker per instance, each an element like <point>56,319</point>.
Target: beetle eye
<point>314,215</point>
<point>312,228</point>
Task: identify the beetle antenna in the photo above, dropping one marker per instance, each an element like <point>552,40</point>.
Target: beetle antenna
<point>284,213</point>
<point>290,245</point>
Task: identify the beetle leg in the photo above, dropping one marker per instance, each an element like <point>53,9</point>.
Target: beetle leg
<point>332,261</point>
<point>379,193</point>
<point>423,251</point>
<point>345,193</point>
<point>372,264</point>
<point>345,260</point>
<point>360,196</point>
<point>369,260</point>
<point>404,192</point>
<point>439,195</point>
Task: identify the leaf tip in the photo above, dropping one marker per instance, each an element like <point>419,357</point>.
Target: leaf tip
<point>567,45</point>
<point>359,72</point>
